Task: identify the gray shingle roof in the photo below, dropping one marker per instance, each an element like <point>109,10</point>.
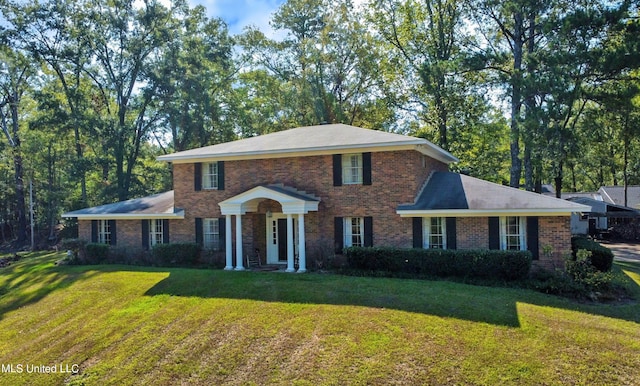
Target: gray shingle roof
<point>615,195</point>
<point>310,140</point>
<point>602,206</point>
<point>159,205</point>
<point>447,192</point>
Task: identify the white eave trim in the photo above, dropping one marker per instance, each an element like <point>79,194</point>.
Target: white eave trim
<point>487,212</point>
<point>178,215</point>
<point>417,145</point>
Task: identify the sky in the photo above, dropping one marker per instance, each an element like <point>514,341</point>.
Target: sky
<point>242,13</point>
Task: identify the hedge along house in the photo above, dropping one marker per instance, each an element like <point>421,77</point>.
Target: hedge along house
<point>305,191</point>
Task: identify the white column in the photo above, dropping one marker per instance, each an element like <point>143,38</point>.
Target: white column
<point>302,255</point>
<point>227,243</point>
<point>239,265</point>
<point>290,267</point>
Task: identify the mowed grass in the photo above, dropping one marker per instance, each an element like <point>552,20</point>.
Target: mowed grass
<point>138,325</point>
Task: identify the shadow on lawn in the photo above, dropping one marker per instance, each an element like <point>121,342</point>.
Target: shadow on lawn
<point>33,278</point>
<point>440,298</point>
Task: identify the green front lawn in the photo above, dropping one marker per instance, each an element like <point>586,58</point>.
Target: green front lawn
<point>133,325</point>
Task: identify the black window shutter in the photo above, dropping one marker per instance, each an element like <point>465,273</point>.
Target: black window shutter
<point>366,168</point>
<point>165,231</point>
<point>94,231</point>
<point>532,237</point>
<point>337,170</point>
<point>114,232</point>
<point>197,176</point>
<point>145,234</point>
<point>368,231</point>
<point>222,229</point>
<point>494,233</point>
<point>199,234</point>
<point>418,242</point>
<point>338,233</point>
<point>451,233</point>
<point>220,175</point>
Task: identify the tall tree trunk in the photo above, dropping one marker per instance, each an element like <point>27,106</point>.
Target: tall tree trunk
<point>21,207</point>
<point>516,101</point>
<point>558,180</point>
<point>530,108</point>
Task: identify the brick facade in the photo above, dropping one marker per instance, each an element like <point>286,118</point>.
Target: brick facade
<point>554,238</point>
<point>396,178</point>
<point>555,242</point>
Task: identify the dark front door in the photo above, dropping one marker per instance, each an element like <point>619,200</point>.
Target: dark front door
<point>282,239</point>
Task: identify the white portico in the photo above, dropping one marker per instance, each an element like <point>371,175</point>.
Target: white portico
<point>295,205</point>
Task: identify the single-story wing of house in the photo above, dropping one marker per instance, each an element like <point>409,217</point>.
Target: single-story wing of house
<point>293,195</point>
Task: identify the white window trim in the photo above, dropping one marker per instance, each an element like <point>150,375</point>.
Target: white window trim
<point>522,232</point>
<point>348,231</point>
<point>349,170</point>
<point>426,232</point>
<point>211,234</point>
<point>209,176</point>
<point>156,232</point>
<point>104,232</point>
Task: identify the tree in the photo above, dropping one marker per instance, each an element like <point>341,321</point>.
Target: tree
<point>425,41</point>
<point>193,80</point>
<point>50,32</point>
<point>327,67</point>
<point>15,73</point>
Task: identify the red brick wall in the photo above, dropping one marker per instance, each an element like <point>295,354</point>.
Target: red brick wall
<point>84,230</point>
<point>472,233</point>
<point>554,238</point>
<point>396,177</point>
<point>128,232</point>
<point>554,241</point>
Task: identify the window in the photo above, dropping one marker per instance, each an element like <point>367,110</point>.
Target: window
<point>210,175</point>
<point>156,232</point>
<point>104,232</point>
<point>435,233</point>
<point>351,169</point>
<point>353,231</point>
<point>211,233</point>
<point>513,233</point>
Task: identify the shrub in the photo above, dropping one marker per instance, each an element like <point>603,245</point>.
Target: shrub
<point>585,274</point>
<point>601,257</point>
<point>97,253</point>
<point>181,254</point>
<point>77,248</point>
<point>506,265</point>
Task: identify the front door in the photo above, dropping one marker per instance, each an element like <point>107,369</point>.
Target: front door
<point>277,238</point>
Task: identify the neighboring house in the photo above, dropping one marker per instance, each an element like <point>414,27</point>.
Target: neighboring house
<point>605,210</point>
<point>309,190</point>
<point>615,195</point>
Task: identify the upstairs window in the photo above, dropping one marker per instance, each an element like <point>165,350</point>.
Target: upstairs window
<point>352,169</point>
<point>210,175</point>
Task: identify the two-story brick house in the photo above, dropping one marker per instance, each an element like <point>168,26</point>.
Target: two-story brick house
<point>324,188</point>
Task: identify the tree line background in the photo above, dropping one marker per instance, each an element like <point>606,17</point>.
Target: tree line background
<point>523,92</point>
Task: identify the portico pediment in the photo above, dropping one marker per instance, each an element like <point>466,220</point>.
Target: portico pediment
<point>292,200</point>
